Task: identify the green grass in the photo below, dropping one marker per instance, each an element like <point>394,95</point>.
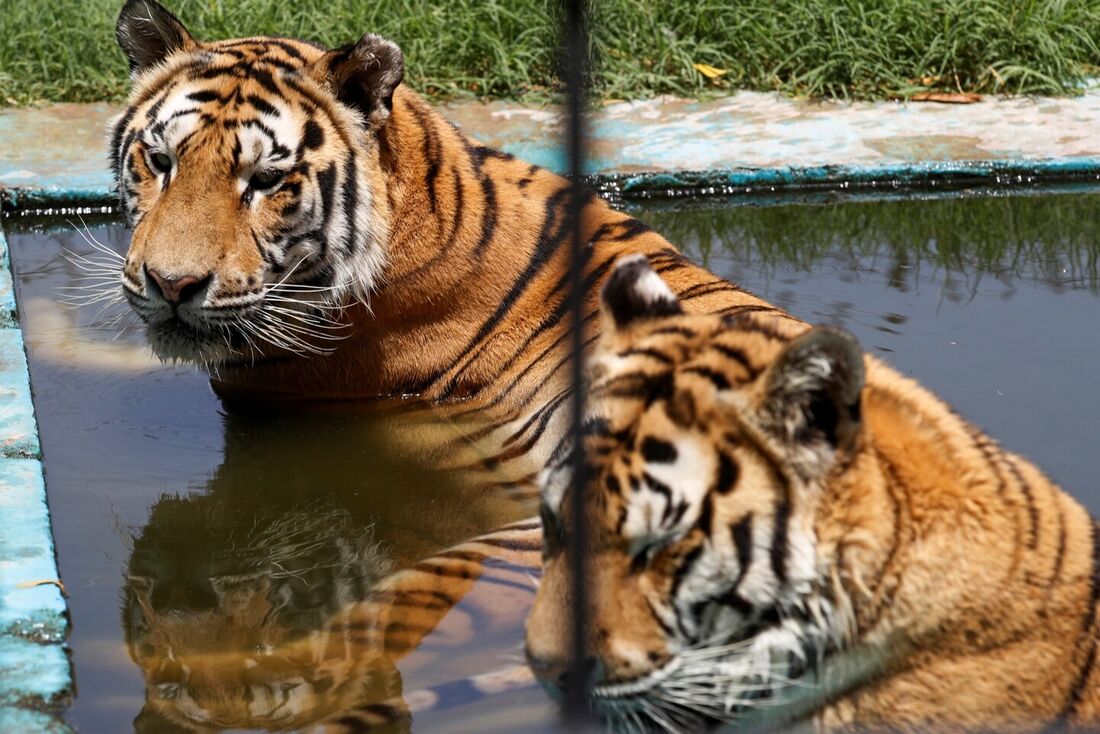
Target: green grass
<point>64,49</point>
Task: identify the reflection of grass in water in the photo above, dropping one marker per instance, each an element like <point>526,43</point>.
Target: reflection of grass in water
<point>1049,239</point>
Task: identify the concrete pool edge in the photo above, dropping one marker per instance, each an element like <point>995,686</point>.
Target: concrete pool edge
<point>727,185</point>
<point>744,143</point>
<point>36,681</point>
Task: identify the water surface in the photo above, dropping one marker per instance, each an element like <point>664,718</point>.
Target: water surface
<point>160,493</point>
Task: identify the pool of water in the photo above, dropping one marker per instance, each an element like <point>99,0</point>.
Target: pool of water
<point>156,487</point>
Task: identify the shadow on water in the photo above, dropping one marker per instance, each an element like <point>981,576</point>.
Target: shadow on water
<point>236,542</point>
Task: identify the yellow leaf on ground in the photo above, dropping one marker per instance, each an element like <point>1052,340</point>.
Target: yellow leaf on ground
<point>42,582</point>
<point>947,97</point>
<point>709,71</point>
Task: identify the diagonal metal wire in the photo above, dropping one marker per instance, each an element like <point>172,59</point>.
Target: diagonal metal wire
<point>575,62</point>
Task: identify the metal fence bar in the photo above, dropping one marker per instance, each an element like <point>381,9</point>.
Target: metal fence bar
<point>575,61</point>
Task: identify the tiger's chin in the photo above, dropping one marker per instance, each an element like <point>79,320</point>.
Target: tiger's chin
<point>177,342</point>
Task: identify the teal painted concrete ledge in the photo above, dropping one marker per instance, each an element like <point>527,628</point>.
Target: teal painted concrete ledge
<point>745,143</point>
<point>35,674</point>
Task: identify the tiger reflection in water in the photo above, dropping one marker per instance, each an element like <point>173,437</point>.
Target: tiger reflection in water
<point>248,611</point>
<point>244,635</point>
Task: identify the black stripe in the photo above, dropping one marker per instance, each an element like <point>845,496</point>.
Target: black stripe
<point>548,322</point>
<point>647,352</point>
<point>1060,555</point>
<point>736,355</point>
<point>658,451</point>
<point>326,184</point>
<point>726,474</point>
<point>998,461</point>
<point>538,415</point>
<point>741,532</point>
<point>442,571</point>
<point>780,539</point>
<point>719,380</point>
<point>1029,497</point>
<point>354,725</point>
<point>549,240</point>
<point>656,485</point>
<point>115,153</point>
<point>679,330</point>
<point>351,203</point>
<point>1077,691</point>
<point>431,152</point>
<point>489,205</point>
<point>630,229</point>
<point>684,569</point>
<point>741,317</point>
<point>262,105</point>
<point>203,96</point>
<point>692,290</point>
<point>313,137</point>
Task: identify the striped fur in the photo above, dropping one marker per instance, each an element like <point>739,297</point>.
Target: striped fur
<point>281,646</point>
<point>437,265</point>
<point>304,226</point>
<point>784,528</point>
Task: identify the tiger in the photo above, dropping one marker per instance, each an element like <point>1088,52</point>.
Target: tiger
<point>296,619</point>
<point>784,529</point>
<point>305,226</point>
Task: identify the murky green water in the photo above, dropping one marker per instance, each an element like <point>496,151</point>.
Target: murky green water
<point>164,498</point>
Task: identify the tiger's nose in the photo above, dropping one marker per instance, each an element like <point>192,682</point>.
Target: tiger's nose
<point>179,290</point>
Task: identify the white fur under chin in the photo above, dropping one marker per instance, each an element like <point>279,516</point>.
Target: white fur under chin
<point>173,345</point>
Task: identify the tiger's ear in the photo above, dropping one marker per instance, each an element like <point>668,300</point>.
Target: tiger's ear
<point>635,292</point>
<point>363,76</point>
<point>811,400</point>
<point>148,34</point>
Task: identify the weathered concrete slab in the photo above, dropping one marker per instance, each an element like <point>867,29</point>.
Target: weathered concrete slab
<point>751,130</point>
<point>18,432</point>
<point>35,675</point>
<point>7,288</point>
<point>56,154</point>
<point>60,148</point>
<point>13,719</point>
<point>31,606</point>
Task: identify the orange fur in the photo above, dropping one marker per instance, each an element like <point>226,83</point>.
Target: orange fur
<point>961,582</point>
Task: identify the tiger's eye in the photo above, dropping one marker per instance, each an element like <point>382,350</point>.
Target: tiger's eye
<point>162,162</point>
<point>268,179</point>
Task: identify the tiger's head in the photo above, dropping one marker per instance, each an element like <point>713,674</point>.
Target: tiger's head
<point>256,629</point>
<point>708,442</point>
<point>251,173</point>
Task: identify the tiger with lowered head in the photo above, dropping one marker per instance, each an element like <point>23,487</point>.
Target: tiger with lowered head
<point>783,528</point>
